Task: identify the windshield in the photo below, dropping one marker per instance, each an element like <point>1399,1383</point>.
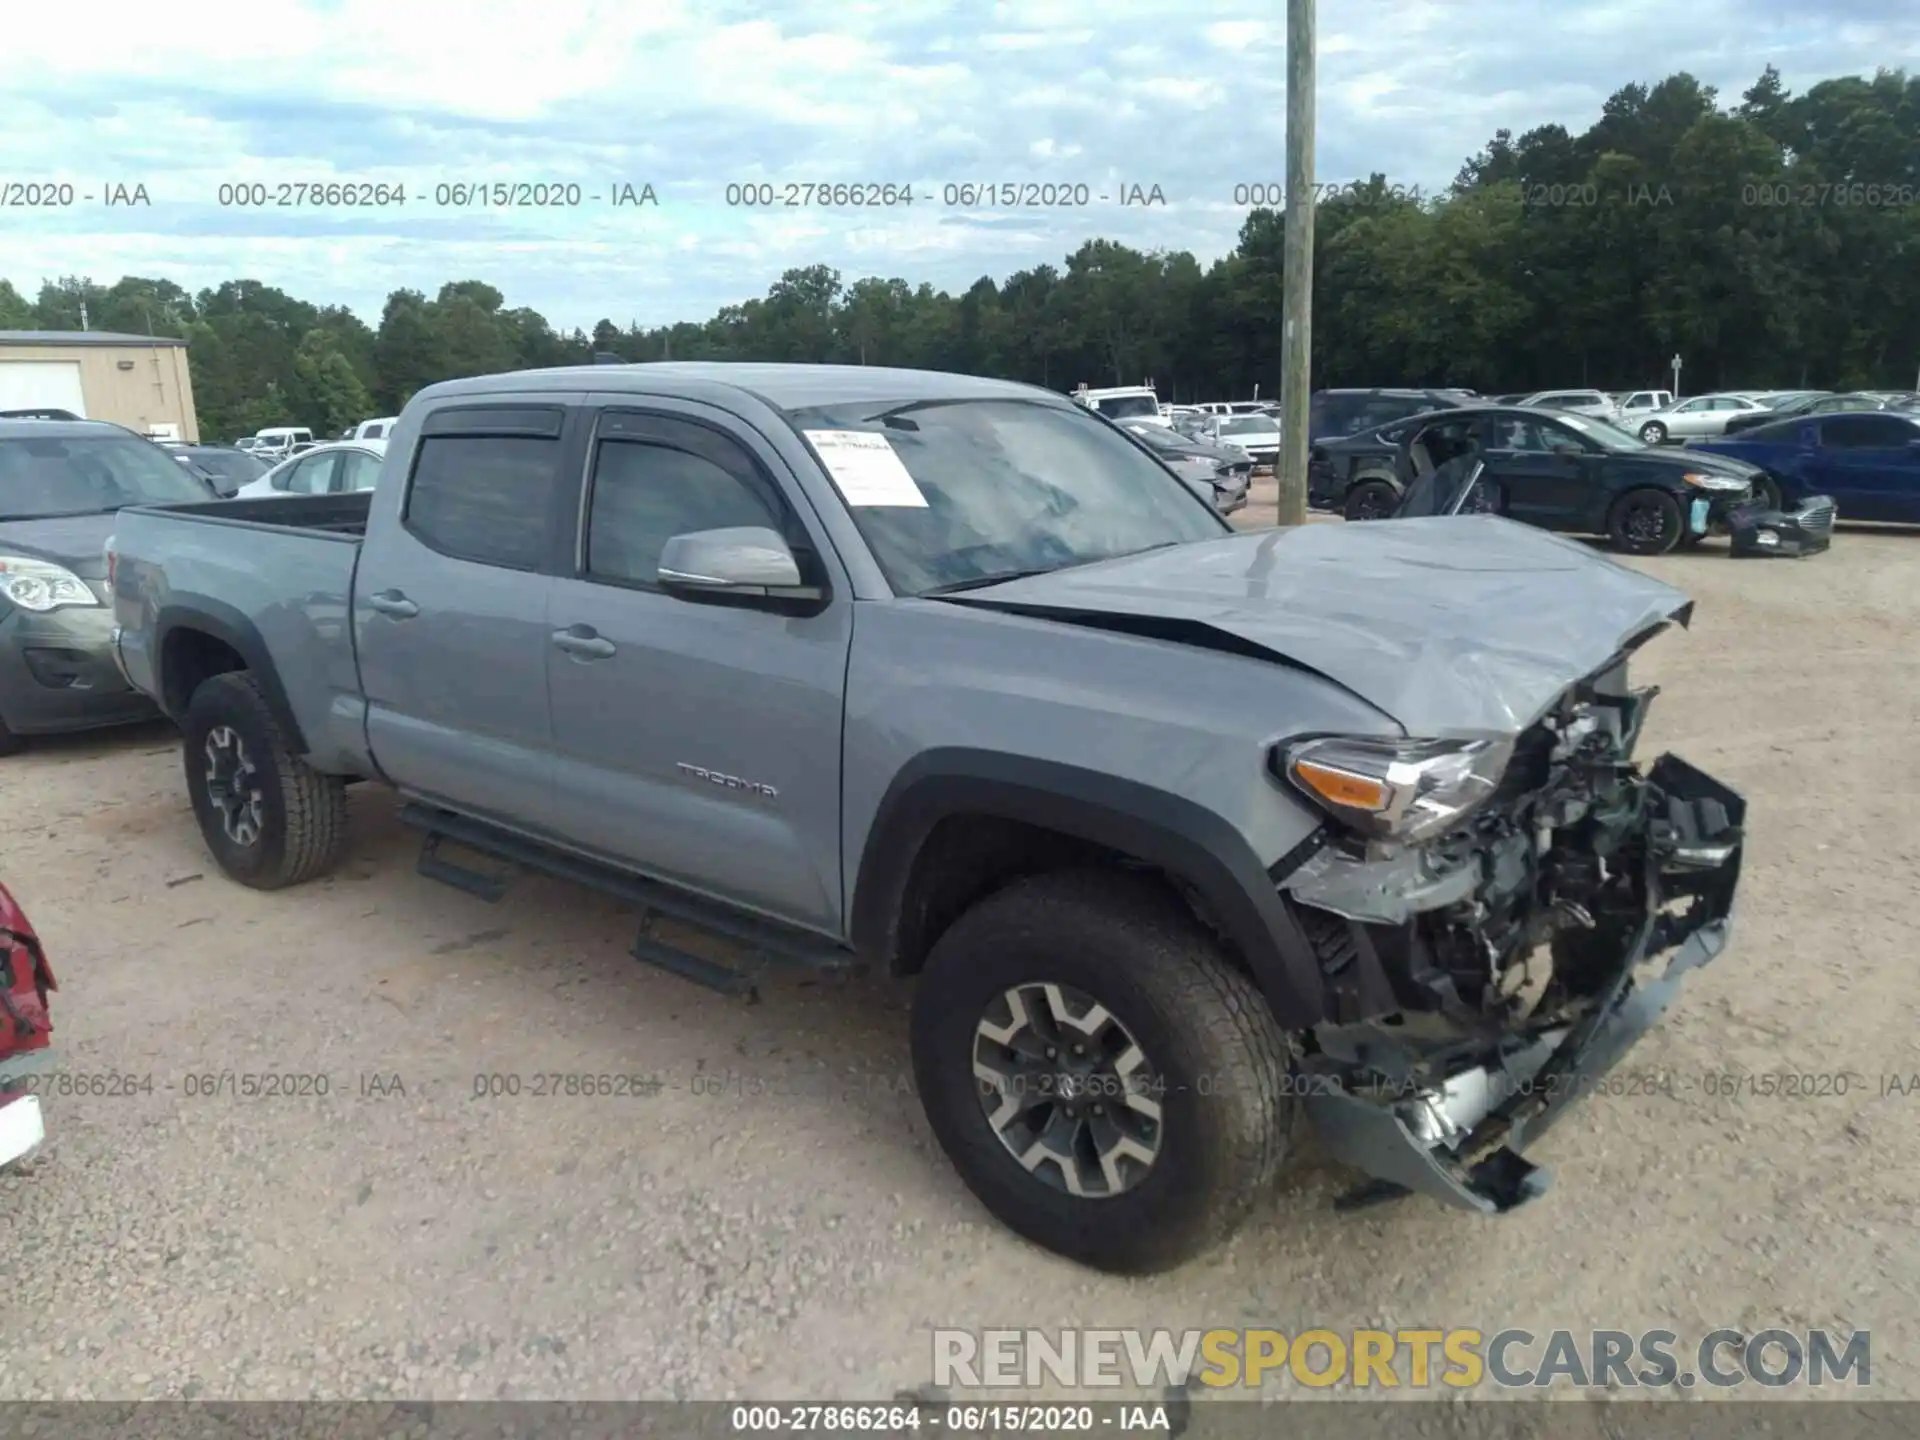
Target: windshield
<point>44,476</point>
<point>1010,487</point>
<point>1602,432</point>
<point>1249,425</point>
<point>1127,407</point>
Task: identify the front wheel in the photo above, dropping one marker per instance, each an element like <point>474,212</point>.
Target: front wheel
<point>1104,1080</point>
<point>1767,491</point>
<point>10,743</point>
<point>269,818</point>
<point>1654,433</point>
<point>1646,522</point>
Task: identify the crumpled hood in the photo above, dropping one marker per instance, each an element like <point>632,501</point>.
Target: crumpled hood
<point>1452,625</point>
<point>75,541</point>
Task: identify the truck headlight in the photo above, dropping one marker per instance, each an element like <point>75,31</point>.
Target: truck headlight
<point>1715,482</point>
<point>1396,790</point>
<point>39,586</point>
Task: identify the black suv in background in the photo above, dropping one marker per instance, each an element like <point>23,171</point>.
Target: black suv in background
<point>1334,413</point>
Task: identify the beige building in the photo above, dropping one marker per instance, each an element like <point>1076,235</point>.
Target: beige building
<point>139,381</point>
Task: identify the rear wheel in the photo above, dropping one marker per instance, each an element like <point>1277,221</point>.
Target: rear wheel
<point>1103,1079</point>
<point>1646,522</point>
<point>1371,500</point>
<point>269,818</point>
<point>1654,433</point>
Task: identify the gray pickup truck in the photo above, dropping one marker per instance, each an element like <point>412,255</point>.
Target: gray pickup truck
<point>1183,832</point>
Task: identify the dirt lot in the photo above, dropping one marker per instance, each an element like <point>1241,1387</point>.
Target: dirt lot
<point>776,1220</point>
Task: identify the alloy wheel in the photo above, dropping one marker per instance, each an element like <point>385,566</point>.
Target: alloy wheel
<point>1068,1090</point>
<point>233,785</point>
<point>1643,523</point>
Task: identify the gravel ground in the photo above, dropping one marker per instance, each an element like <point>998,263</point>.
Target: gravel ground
<point>775,1220</point>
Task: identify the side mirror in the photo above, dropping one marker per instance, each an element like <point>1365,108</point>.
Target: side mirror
<point>747,562</point>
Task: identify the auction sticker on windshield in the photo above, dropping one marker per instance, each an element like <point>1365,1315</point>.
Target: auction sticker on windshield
<point>865,468</point>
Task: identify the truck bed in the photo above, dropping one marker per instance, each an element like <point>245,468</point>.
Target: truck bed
<point>343,515</point>
<point>269,578</point>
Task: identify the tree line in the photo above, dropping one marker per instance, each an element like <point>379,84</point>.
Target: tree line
<point>1773,242</point>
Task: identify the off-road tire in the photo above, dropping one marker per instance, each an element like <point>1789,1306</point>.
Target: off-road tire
<point>1127,942</point>
<point>303,812</point>
<point>1673,525</point>
<point>1370,500</point>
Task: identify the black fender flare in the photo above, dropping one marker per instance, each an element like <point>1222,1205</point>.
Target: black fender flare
<point>1175,834</point>
<point>233,628</point>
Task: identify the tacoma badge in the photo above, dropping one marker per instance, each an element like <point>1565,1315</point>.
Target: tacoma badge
<point>730,782</point>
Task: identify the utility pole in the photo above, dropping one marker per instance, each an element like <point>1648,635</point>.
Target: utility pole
<point>1296,353</point>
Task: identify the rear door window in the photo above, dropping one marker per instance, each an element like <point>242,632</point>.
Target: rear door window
<point>358,471</point>
<point>311,476</point>
<point>483,484</point>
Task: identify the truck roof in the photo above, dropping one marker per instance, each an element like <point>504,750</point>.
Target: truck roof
<point>783,386</point>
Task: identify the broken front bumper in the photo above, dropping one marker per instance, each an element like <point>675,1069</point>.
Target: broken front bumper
<point>1412,1144</point>
<point>1803,529</point>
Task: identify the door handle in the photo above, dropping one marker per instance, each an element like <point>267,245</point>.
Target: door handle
<point>583,641</point>
<point>392,602</point>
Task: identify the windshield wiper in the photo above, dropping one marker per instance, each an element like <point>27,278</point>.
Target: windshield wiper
<point>980,582</point>
<point>53,515</point>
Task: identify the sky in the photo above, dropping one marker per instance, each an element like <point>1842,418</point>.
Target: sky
<point>519,132</point>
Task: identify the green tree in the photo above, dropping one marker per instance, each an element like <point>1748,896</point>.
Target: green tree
<point>15,312</point>
<point>407,350</point>
<point>329,395</point>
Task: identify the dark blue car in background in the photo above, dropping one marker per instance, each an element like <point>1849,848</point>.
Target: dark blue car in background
<point>1868,462</point>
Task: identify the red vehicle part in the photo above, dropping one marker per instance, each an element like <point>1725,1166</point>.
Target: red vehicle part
<point>25,981</point>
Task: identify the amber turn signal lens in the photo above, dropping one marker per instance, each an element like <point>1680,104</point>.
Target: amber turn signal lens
<point>1341,787</point>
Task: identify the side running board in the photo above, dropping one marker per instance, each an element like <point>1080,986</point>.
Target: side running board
<point>764,944</point>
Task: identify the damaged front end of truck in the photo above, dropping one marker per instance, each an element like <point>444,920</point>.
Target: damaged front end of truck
<point>1496,922</point>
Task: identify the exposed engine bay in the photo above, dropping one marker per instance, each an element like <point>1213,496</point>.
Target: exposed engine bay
<point>1477,981</point>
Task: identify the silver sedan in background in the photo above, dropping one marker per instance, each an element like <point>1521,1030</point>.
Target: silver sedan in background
<point>1693,417</point>
<point>335,469</point>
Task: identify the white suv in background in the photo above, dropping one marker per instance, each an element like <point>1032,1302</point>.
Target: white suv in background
<point>1124,402</point>
<point>371,429</point>
<point>276,442</point>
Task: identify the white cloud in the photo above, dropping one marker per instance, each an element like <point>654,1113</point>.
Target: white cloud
<point>694,95</point>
